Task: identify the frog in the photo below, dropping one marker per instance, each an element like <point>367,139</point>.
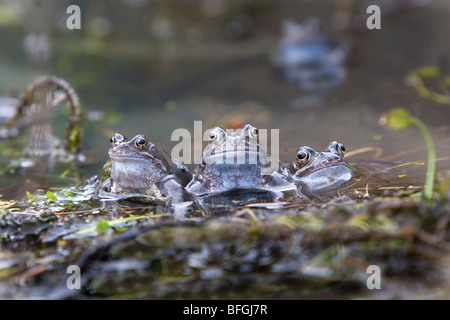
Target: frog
<point>316,172</point>
<point>309,56</point>
<point>139,169</point>
<point>234,161</point>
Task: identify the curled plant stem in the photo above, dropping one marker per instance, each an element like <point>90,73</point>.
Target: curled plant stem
<point>416,79</point>
<point>37,95</point>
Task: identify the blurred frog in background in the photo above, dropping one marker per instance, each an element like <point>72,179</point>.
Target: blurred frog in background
<point>311,58</point>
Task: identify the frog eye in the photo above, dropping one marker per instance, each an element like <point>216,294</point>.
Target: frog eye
<point>254,133</point>
<point>212,136</point>
<point>141,143</point>
<point>215,134</point>
<point>117,138</point>
<point>303,156</point>
<point>340,148</point>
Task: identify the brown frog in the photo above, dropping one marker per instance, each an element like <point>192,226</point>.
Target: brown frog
<point>140,169</point>
<point>235,161</point>
<point>320,171</point>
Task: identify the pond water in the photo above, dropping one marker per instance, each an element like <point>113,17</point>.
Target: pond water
<point>152,67</point>
<point>153,83</point>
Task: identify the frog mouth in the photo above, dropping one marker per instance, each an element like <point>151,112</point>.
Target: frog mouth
<point>235,157</point>
<point>236,153</point>
<point>117,155</point>
<point>120,156</point>
<point>325,164</point>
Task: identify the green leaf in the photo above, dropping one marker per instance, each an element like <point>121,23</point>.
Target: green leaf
<point>30,196</point>
<point>102,226</point>
<point>429,72</point>
<point>50,196</point>
<point>397,119</point>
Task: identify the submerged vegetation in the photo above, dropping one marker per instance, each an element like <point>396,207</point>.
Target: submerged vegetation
<point>286,251</point>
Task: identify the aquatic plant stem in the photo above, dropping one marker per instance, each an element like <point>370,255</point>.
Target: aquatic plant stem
<point>399,119</point>
<point>431,166</point>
